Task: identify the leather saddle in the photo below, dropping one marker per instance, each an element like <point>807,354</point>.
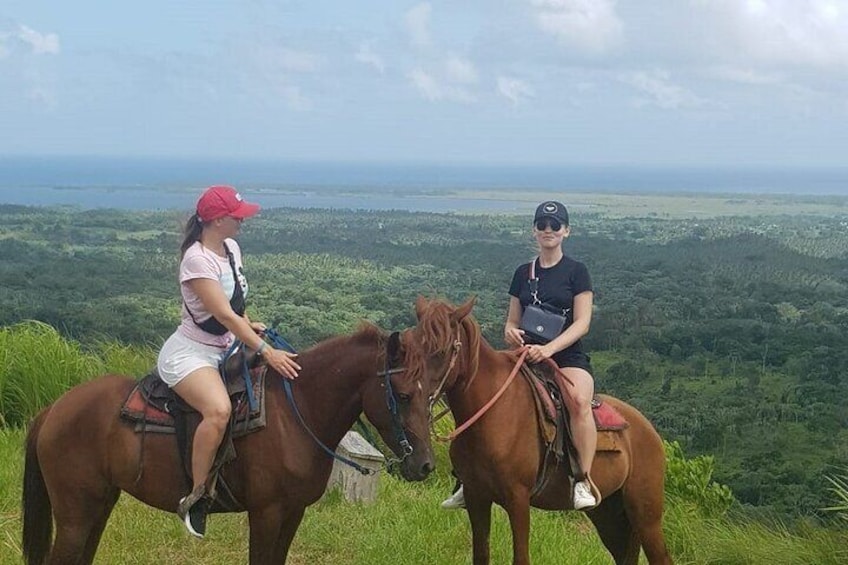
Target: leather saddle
<point>153,407</point>
<point>553,420</point>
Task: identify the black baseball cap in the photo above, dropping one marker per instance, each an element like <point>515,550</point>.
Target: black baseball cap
<point>552,209</point>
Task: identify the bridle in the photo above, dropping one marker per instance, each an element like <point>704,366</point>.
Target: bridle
<point>440,390</point>
<point>392,347</point>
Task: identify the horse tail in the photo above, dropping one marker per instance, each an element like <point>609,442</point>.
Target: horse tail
<point>36,508</point>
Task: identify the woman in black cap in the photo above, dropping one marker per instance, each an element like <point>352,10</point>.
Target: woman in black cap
<point>561,284</point>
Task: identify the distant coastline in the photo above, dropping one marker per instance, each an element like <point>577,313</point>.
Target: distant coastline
<point>142,183</point>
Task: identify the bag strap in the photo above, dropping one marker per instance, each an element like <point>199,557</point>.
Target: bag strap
<point>236,289</point>
<point>534,283</point>
<point>534,287</point>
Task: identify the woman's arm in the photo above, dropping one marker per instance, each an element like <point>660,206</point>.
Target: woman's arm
<point>216,303</point>
<point>513,335</point>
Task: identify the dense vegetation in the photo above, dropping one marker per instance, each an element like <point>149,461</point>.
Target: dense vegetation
<point>728,333</point>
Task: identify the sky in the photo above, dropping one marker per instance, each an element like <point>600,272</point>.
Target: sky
<point>641,82</point>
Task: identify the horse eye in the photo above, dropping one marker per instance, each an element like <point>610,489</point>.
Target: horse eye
<point>404,397</point>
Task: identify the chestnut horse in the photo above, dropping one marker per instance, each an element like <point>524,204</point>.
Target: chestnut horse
<point>499,458</point>
<point>80,454</point>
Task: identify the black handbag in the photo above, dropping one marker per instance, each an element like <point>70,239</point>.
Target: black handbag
<point>540,323</point>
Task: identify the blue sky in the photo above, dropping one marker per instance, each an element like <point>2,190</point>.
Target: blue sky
<point>715,82</point>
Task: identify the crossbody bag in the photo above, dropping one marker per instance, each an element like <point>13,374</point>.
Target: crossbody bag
<point>540,323</point>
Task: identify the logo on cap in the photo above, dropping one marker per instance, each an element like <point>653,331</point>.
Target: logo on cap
<point>550,207</point>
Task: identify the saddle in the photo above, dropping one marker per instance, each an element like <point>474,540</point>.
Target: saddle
<point>153,407</point>
<point>548,392</point>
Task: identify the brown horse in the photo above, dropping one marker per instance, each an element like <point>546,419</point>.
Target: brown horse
<point>80,455</point>
<point>499,458</point>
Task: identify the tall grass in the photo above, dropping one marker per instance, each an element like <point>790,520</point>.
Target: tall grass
<point>407,526</point>
<point>37,365</point>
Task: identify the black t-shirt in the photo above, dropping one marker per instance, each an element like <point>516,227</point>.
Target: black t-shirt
<point>558,285</point>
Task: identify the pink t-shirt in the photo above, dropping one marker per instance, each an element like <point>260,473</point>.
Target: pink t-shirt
<point>202,263</point>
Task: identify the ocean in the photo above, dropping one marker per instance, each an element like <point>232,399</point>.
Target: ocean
<point>148,183</point>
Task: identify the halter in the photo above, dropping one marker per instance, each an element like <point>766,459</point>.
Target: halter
<point>391,398</point>
<point>439,392</point>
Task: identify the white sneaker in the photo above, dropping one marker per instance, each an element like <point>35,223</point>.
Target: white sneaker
<point>583,497</point>
<point>454,501</point>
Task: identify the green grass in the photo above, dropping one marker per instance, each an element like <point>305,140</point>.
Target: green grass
<point>38,365</point>
<point>406,526</point>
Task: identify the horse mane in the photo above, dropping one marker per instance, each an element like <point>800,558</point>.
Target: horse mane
<point>436,334</point>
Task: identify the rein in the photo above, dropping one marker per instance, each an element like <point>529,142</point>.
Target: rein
<point>469,422</point>
<point>278,342</point>
<point>479,414</point>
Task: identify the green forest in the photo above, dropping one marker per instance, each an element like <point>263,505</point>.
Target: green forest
<point>727,332</point>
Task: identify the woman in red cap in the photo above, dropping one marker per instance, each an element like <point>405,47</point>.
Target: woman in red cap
<point>562,284</point>
<point>213,289</point>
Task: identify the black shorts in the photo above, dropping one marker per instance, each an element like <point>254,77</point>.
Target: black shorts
<point>573,359</point>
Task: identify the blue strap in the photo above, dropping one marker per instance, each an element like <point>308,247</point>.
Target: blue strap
<point>279,343</point>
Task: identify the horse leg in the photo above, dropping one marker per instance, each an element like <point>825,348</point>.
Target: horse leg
<point>80,520</point>
<point>518,509</point>
<point>645,514</point>
<point>290,524</point>
<point>615,530</point>
<point>99,525</point>
<point>272,529</point>
<point>480,516</point>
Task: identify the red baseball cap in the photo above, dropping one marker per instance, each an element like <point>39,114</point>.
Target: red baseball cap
<point>219,201</point>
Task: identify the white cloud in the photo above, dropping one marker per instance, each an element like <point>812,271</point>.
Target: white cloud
<point>41,44</point>
<point>460,70</point>
<point>425,84</point>
<point>417,21</point>
<point>366,55</point>
<point>434,90</point>
<point>745,76</point>
<point>660,91</point>
<point>588,25</point>
<point>514,90</point>
<point>799,32</point>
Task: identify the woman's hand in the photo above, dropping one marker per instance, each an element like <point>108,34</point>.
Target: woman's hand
<point>514,337</point>
<point>281,361</point>
<point>258,327</point>
<point>538,353</point>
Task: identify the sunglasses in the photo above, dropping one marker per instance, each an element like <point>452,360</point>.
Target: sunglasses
<point>543,223</point>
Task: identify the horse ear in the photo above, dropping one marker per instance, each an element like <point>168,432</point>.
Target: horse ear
<point>464,310</point>
<point>420,306</point>
<point>393,347</point>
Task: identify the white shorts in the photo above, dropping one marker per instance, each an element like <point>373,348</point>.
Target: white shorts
<point>181,356</point>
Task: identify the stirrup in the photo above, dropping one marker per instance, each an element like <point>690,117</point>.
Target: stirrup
<point>192,510</point>
<point>190,500</point>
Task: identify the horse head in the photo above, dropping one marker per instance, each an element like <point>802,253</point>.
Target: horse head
<point>443,347</point>
<point>396,404</point>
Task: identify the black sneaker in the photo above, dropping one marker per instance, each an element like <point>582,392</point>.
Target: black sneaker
<point>194,516</point>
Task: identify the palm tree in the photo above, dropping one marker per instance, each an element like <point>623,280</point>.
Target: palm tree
<point>840,489</point>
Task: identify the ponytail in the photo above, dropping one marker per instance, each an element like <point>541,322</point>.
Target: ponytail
<point>191,233</point>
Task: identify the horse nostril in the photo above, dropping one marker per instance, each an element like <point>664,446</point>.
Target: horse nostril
<point>427,468</point>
